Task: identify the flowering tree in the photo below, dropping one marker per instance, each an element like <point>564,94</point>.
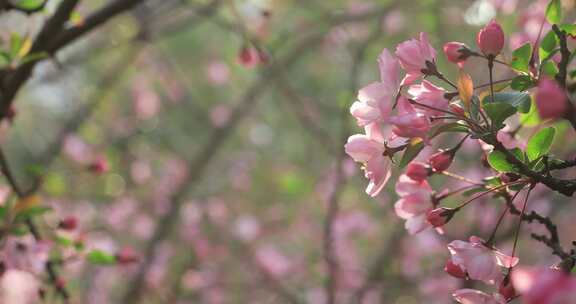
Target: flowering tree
<point>401,115</point>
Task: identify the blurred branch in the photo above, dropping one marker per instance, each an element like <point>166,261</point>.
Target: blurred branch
<point>218,137</point>
<point>330,256</point>
<point>375,272</point>
<point>52,37</point>
<point>50,269</point>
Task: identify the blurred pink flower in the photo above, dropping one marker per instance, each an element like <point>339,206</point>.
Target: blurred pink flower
<point>145,100</point>
<point>550,100</point>
<point>19,287</point>
<point>544,286</point>
<point>274,262</point>
<point>217,72</point>
<point>219,115</point>
<point>472,296</point>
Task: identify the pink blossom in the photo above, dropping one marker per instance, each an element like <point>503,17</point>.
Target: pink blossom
<point>273,261</point>
<point>414,203</point>
<point>376,99</point>
<point>413,55</point>
<point>490,39</point>
<point>409,123</point>
<point>472,296</point>
<point>454,52</point>
<point>19,287</point>
<point>550,100</point>
<point>430,95</point>
<point>369,149</point>
<point>479,261</point>
<point>544,286</point>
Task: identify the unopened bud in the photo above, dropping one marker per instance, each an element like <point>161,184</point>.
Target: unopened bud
<point>456,52</point>
<point>506,289</point>
<point>127,255</point>
<point>490,39</point>
<point>441,161</point>
<point>418,171</point>
<point>68,223</point>
<point>440,216</point>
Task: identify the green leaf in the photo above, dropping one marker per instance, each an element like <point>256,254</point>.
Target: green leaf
<point>549,68</point>
<point>531,118</point>
<point>29,4</point>
<point>570,29</point>
<point>30,213</point>
<point>498,161</point>
<point>15,45</point>
<point>547,45</point>
<point>498,112</point>
<point>448,127</point>
<point>410,153</point>
<point>100,257</point>
<point>521,58</point>
<point>540,143</point>
<point>519,100</point>
<point>522,83</point>
<point>554,11</point>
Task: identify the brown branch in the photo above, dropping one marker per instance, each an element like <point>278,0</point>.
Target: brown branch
<point>553,241</point>
<point>45,42</point>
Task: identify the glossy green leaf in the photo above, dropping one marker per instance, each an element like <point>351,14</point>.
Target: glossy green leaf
<point>540,143</point>
<point>570,29</point>
<point>554,11</point>
<point>522,83</point>
<point>547,45</point>
<point>499,162</point>
<point>519,100</point>
<point>521,58</point>
<point>498,112</point>
<point>410,153</point>
<point>549,68</point>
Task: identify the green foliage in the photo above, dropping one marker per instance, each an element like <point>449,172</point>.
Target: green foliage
<point>498,160</point>
<point>29,5</point>
<point>100,257</point>
<point>540,143</point>
<point>554,11</point>
<point>547,46</point>
<point>522,83</point>
<point>519,100</point>
<point>30,213</point>
<point>521,58</point>
<point>498,112</point>
<point>410,153</point>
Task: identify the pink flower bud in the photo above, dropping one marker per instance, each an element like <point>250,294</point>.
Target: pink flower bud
<point>68,223</point>
<point>99,166</point>
<point>454,270</point>
<point>456,52</point>
<point>490,39</point>
<point>127,255</point>
<point>506,289</point>
<point>457,109</point>
<point>440,216</point>
<point>441,161</point>
<point>550,100</point>
<point>250,57</point>
<point>418,171</point>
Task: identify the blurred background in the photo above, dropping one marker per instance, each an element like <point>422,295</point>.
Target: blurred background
<point>207,137</point>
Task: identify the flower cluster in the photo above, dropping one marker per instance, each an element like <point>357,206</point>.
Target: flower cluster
<point>404,117</point>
